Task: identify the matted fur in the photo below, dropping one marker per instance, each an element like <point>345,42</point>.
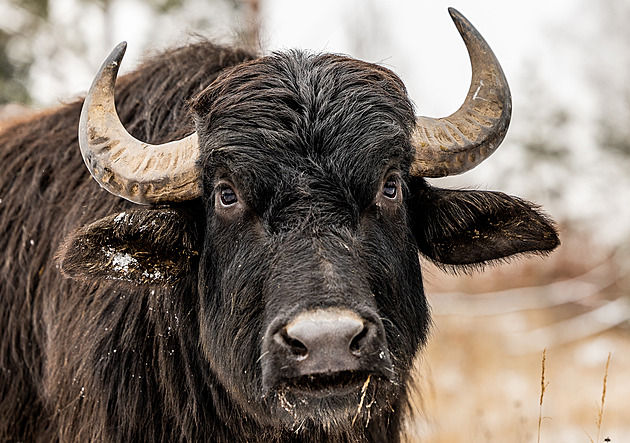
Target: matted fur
<point>46,192</point>
<point>159,336</point>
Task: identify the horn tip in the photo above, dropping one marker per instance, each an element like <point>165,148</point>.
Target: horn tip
<point>453,11</point>
<point>458,18</point>
<point>118,52</point>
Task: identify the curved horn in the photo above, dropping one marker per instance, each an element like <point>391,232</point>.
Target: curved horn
<point>136,171</point>
<point>457,143</point>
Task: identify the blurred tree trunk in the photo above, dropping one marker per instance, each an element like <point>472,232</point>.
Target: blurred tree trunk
<point>250,33</point>
<point>14,67</point>
<point>62,47</point>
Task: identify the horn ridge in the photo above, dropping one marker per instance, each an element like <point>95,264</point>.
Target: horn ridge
<point>125,166</point>
<point>457,143</point>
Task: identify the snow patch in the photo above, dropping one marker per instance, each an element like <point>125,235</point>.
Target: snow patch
<point>155,275</point>
<point>120,217</point>
<point>121,262</point>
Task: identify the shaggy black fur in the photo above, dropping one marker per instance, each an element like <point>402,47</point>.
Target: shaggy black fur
<point>160,336</point>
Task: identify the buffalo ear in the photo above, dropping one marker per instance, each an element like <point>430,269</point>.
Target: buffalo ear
<point>151,246</point>
<point>470,227</point>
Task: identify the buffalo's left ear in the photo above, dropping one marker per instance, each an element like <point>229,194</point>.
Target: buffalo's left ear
<point>469,227</point>
<point>150,246</point>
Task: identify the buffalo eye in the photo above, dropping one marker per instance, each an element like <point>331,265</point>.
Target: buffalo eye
<point>228,196</point>
<point>390,188</point>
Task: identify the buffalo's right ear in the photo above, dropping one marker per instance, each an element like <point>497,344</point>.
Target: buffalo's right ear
<point>459,227</point>
<point>150,246</point>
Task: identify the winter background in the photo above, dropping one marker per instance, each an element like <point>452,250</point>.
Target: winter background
<point>568,149</point>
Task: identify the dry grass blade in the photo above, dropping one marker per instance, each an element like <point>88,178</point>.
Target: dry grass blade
<point>363,391</point>
<point>600,410</point>
<point>600,407</point>
<point>543,386</point>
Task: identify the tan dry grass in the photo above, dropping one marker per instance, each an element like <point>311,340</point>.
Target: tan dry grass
<point>600,409</point>
<point>475,385</point>
<point>473,391</point>
<point>543,386</point>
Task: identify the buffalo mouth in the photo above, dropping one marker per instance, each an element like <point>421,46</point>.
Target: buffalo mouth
<point>345,399</point>
<point>328,384</point>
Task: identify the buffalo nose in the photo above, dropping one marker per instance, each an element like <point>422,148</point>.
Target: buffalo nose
<point>327,341</point>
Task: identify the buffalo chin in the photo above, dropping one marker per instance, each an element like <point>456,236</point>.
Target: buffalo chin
<point>319,403</point>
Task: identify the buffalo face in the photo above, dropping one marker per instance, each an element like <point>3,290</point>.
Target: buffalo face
<point>308,255</point>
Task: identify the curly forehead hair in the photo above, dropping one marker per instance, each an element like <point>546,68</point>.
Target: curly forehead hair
<point>302,72</point>
<point>312,96</point>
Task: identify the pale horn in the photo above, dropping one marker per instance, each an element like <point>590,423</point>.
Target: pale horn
<point>457,143</point>
<point>137,171</point>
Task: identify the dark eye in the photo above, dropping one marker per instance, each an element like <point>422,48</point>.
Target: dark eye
<point>390,189</point>
<point>228,196</point>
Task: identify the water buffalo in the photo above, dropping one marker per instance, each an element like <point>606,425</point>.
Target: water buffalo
<point>270,287</point>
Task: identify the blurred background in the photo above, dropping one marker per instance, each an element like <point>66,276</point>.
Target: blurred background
<point>568,149</point>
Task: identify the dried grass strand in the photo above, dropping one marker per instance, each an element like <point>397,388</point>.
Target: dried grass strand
<point>543,386</point>
<point>600,409</point>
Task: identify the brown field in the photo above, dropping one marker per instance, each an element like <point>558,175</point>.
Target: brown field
<point>480,376</point>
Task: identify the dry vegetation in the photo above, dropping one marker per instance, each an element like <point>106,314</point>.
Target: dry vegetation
<point>481,375</point>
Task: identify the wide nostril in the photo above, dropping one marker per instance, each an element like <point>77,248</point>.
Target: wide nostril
<point>294,346</point>
<point>357,343</point>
